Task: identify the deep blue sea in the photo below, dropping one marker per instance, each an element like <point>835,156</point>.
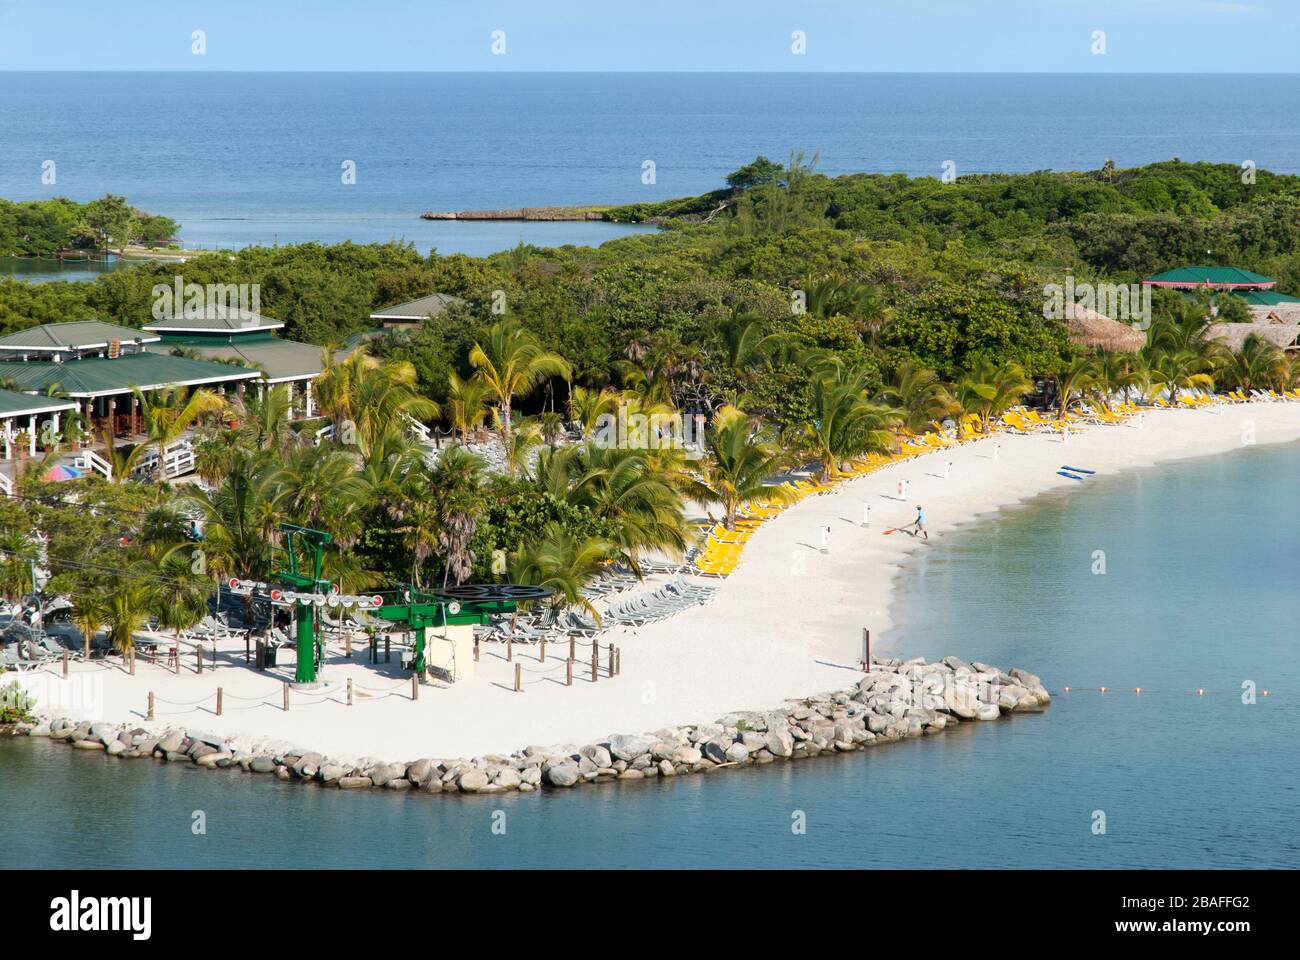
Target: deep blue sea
<point>257,158</point>
<point>1198,594</point>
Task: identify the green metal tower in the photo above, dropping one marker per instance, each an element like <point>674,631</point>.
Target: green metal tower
<point>315,541</point>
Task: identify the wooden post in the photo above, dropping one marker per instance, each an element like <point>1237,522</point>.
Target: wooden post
<point>65,663</point>
<point>866,650</point>
<point>595,660</point>
<point>415,686</point>
<point>286,696</point>
<point>573,648</point>
<point>149,715</point>
<point>476,649</point>
<point>388,648</point>
<point>610,668</point>
<point>248,634</point>
<point>568,672</point>
<point>198,656</point>
<point>349,691</point>
<point>618,662</point>
<point>177,671</point>
<point>510,649</point>
<point>347,644</point>
<point>519,686</point>
<point>542,658</point>
<point>131,661</point>
<point>219,700</point>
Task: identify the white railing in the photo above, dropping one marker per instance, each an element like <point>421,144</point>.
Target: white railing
<point>324,433</point>
<point>6,485</point>
<point>418,430</point>
<point>90,460</point>
<point>177,460</point>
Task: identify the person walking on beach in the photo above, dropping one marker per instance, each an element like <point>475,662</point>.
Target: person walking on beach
<point>920,523</point>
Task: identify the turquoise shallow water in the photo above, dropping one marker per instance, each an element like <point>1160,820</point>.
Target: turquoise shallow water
<point>1198,593</point>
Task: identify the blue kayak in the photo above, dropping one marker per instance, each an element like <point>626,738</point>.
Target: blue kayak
<point>1078,470</point>
<point>1062,473</point>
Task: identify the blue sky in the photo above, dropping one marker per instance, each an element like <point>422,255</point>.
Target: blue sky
<point>1191,36</point>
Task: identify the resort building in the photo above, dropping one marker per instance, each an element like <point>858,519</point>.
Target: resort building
<point>1276,315</point>
<point>248,340</point>
<point>413,311</point>
<point>94,369</point>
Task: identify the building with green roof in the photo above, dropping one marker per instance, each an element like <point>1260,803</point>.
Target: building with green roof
<point>1217,278</point>
<point>71,340</point>
<point>18,415</point>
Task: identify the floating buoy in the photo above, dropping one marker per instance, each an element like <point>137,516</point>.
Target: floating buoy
<point>1137,689</point>
<point>1200,692</point>
<point>1102,689</point>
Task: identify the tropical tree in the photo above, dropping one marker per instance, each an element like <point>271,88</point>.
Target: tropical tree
<point>179,598</point>
<point>88,611</point>
<point>167,415</point>
<point>563,563</point>
<point>512,364</point>
<point>16,552</point>
<point>738,464</point>
<point>366,397</point>
<point>1259,363</point>
<point>988,390</point>
<point>919,395</point>
<point>1182,369</point>
<point>128,603</point>
<point>466,403</point>
<point>1074,383</point>
<point>844,423</point>
<point>587,406</point>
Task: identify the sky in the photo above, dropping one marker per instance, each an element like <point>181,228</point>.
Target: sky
<point>1079,36</point>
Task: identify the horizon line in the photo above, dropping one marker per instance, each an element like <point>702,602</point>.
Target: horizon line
<point>865,73</point>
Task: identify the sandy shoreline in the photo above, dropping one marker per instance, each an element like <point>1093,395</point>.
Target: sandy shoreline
<point>787,623</point>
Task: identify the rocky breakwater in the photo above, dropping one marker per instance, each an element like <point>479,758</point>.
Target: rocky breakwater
<point>893,701</point>
<point>522,213</point>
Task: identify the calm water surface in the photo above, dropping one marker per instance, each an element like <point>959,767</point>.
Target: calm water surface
<point>256,158</point>
<point>1199,592</point>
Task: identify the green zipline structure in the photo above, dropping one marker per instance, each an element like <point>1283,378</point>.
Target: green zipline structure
<point>315,541</point>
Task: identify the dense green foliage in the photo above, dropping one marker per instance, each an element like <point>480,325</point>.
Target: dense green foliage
<point>44,227</point>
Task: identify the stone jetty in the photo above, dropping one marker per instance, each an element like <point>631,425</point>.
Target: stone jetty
<point>894,700</point>
<point>523,213</point>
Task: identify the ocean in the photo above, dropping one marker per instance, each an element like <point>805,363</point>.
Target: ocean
<point>258,158</point>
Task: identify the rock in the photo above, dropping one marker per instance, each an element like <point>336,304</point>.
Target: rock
<point>988,711</point>
<point>282,773</point>
<point>201,750</point>
<point>115,748</point>
<point>562,775</point>
<point>103,732</point>
<point>507,778</point>
<point>737,753</point>
<point>262,764</point>
<point>473,781</point>
<point>627,747</point>
<point>398,783</point>
<point>331,772</point>
<point>688,755</point>
<point>1026,678</point>
<point>308,765</point>
<point>212,759</point>
<point>961,699</point>
<point>596,754</point>
<point>418,772</point>
<point>779,743</point>
<point>714,751</point>
<point>381,773</point>
<point>171,741</point>
<point>355,783</point>
<point>666,768</point>
<point>87,744</point>
<point>631,774</point>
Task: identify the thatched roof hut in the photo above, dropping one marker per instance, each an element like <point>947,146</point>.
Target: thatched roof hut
<point>1286,336</point>
<point>1092,329</point>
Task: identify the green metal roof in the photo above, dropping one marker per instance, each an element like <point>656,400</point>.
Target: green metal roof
<point>1193,276</point>
<point>72,335</point>
<point>217,321</point>
<point>22,404</point>
<point>100,376</point>
<point>1265,298</point>
<point>430,306</point>
<point>279,360</point>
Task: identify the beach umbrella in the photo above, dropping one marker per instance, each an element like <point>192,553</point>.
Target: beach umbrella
<point>61,472</point>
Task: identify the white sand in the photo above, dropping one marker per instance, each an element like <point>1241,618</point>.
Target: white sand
<point>787,623</point>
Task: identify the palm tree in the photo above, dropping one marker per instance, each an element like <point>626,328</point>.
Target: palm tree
<point>844,423</point>
<point>128,602</point>
<point>1176,370</point>
<point>1118,373</point>
<point>987,391</point>
<point>320,487</point>
<point>1259,363</point>
<point>264,419</point>
<point>16,552</point>
<point>920,396</point>
<point>454,487</point>
<point>372,397</point>
<point>467,403</point>
<point>738,464</point>
<point>1077,380</point>
<point>587,406</point>
<point>167,415</point>
<point>513,364</point>
<point>563,563</point>
<point>179,598</point>
<point>88,611</point>
<point>239,518</point>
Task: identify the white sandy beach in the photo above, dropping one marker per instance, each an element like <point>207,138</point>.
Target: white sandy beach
<point>787,623</point>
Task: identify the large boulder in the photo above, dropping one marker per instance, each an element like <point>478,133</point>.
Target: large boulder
<point>628,747</point>
<point>262,764</point>
<point>562,774</point>
<point>473,781</point>
<point>597,755</point>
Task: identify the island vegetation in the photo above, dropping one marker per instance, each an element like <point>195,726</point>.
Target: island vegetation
<point>807,320</point>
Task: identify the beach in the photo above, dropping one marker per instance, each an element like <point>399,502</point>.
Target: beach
<point>788,623</point>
